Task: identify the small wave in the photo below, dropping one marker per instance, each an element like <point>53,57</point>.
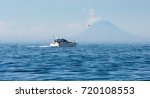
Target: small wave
<point>43,46</point>
<point>31,46</point>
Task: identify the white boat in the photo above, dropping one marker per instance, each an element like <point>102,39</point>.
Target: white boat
<point>62,43</point>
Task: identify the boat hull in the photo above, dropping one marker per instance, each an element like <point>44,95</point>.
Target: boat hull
<point>70,44</point>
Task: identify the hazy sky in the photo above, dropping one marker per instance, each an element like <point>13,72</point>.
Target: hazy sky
<point>38,20</point>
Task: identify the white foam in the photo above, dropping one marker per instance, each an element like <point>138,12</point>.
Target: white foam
<point>43,46</point>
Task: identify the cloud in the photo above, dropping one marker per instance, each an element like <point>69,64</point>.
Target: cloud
<point>7,31</point>
<point>10,32</point>
<point>41,32</point>
<point>5,27</point>
<point>39,28</point>
<point>92,17</point>
<point>47,31</point>
<point>73,26</point>
<point>72,29</point>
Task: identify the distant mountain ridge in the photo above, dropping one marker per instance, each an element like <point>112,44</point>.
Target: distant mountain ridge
<point>105,31</point>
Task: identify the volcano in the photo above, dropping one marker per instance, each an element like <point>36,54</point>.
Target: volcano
<point>105,31</point>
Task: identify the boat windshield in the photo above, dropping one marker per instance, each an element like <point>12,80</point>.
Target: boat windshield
<point>60,40</point>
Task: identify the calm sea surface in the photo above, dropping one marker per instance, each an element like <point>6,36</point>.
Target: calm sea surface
<point>84,62</point>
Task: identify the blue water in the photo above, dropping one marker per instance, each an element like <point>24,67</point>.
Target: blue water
<point>83,62</point>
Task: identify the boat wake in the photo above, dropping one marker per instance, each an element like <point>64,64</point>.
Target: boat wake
<point>41,46</point>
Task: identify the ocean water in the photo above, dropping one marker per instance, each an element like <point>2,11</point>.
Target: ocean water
<point>84,62</point>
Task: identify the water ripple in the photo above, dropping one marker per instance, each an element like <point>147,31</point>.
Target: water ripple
<point>84,62</point>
